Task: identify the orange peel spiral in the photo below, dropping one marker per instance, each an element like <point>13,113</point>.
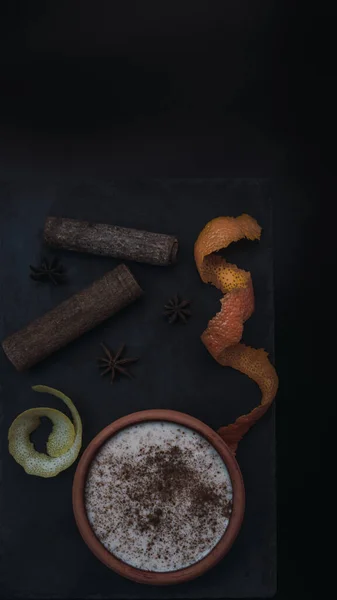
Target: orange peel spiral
<point>223,334</point>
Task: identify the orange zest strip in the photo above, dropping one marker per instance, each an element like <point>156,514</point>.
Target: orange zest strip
<point>223,334</point>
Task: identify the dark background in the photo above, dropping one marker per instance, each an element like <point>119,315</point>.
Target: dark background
<point>205,89</point>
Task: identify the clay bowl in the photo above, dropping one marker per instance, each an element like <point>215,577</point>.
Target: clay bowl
<point>117,565</point>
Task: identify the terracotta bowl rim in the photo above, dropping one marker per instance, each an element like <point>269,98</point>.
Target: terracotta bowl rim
<point>149,577</point>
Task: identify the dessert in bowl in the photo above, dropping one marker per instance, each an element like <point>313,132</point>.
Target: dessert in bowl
<point>158,497</point>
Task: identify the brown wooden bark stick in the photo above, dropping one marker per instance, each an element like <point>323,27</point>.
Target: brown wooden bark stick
<point>72,318</point>
<point>110,240</point>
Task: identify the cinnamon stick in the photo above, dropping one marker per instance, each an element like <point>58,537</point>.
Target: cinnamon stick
<point>110,240</point>
<point>73,317</point>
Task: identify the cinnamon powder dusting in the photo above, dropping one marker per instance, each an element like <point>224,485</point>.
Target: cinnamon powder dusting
<point>158,496</point>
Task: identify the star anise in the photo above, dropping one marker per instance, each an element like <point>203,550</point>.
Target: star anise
<point>114,363</point>
<point>51,270</point>
<point>177,309</point>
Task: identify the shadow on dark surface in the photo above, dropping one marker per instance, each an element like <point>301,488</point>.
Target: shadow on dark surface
<point>60,94</point>
<point>40,436</point>
<point>80,74</point>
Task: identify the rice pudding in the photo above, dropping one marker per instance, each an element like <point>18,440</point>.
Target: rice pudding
<point>158,496</point>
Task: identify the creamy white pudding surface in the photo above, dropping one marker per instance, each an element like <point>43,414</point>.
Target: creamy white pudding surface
<point>158,496</point>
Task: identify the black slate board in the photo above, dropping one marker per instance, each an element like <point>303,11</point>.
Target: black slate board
<point>42,554</point>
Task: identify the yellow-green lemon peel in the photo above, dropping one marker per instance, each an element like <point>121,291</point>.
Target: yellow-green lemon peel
<point>64,442</point>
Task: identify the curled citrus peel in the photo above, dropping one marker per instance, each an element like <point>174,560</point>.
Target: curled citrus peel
<point>224,331</point>
<point>64,442</point>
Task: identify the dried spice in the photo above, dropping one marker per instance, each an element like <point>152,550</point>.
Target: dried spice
<point>109,240</point>
<point>73,317</point>
<point>115,363</point>
<point>177,309</point>
<point>49,270</point>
